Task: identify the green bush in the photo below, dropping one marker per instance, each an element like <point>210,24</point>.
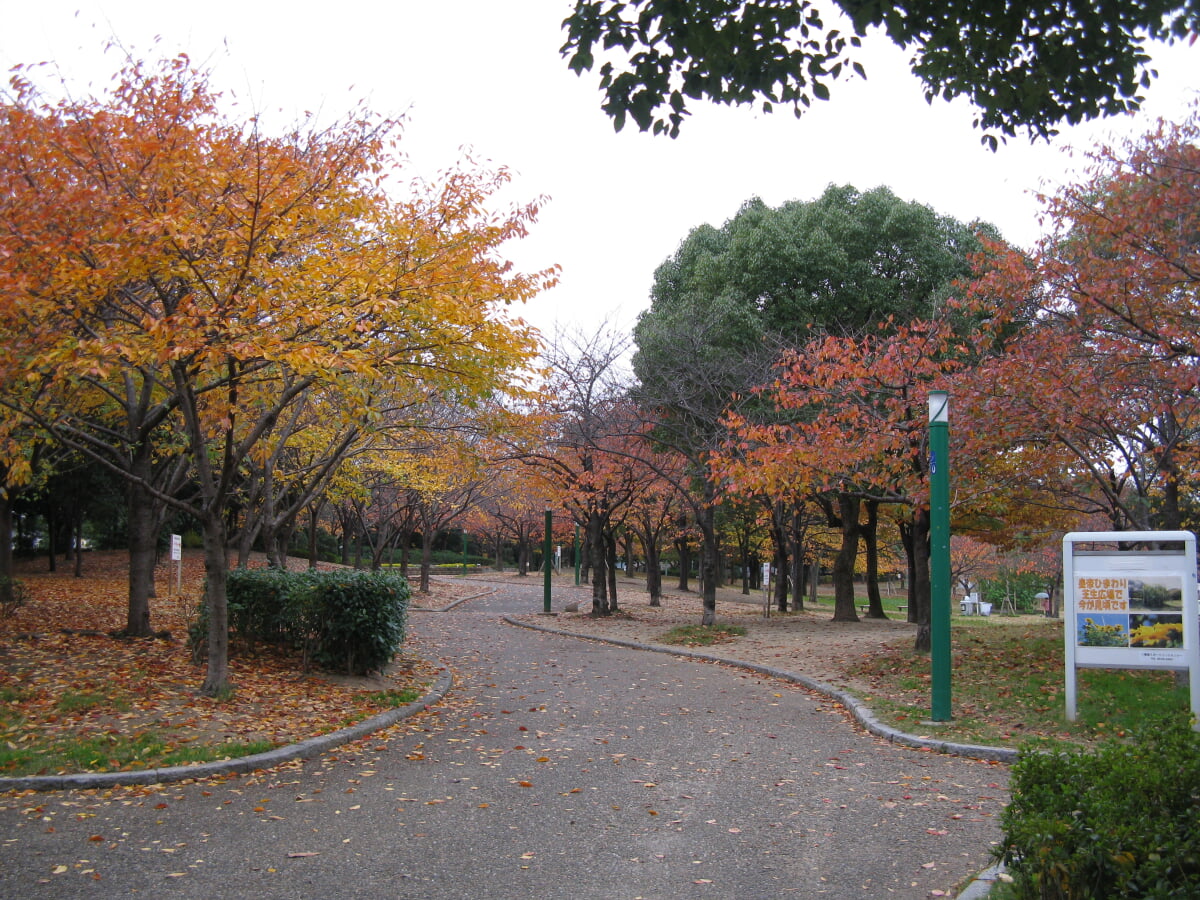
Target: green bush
<point>1120,821</point>
<point>363,619</point>
<point>347,621</point>
<point>259,604</point>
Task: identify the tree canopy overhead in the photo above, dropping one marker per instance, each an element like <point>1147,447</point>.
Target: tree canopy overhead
<point>1025,64</point>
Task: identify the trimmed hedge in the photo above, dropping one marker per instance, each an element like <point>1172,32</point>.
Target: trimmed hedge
<point>346,621</point>
<point>1121,821</point>
<point>360,619</point>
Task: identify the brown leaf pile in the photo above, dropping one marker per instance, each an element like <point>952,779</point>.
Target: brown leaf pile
<point>63,674</point>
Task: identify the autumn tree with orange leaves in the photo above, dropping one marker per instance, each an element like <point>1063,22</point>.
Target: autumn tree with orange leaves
<point>1103,363</point>
<point>850,425</point>
<point>158,250</point>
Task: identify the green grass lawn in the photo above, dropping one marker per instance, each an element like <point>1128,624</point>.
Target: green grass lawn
<point>1008,686</point>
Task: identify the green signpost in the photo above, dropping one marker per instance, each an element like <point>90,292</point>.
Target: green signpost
<point>939,553</point>
<point>547,560</point>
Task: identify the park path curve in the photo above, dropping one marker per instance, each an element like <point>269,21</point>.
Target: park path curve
<point>555,768</point>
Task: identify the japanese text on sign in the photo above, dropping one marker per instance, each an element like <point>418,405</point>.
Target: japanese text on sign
<point>1103,594</point>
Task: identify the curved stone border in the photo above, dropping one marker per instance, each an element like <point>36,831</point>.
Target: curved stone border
<point>301,750</point>
<point>859,710</point>
<point>450,606</point>
<point>981,886</point>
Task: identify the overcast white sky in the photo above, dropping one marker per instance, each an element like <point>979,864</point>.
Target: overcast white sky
<point>487,74</point>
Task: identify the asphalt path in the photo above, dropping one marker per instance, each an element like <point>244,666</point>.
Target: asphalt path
<point>556,767</point>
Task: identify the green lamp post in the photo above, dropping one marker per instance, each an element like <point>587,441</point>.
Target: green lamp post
<point>546,551</point>
<point>939,553</point>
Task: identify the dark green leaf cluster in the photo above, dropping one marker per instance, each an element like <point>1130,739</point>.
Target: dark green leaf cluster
<point>845,263</point>
<point>776,51</point>
<point>1033,64</point>
<point>1025,64</point>
<point>1122,821</point>
<point>346,621</point>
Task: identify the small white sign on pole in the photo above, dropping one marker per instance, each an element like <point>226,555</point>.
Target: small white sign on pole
<point>177,558</point>
<point>1131,609</point>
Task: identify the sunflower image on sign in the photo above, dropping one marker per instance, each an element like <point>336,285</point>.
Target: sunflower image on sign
<point>1104,631</point>
<point>1156,631</point>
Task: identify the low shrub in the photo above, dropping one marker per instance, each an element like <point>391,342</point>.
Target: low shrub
<point>347,621</point>
<point>1119,821</point>
<point>259,601</point>
<point>362,619</point>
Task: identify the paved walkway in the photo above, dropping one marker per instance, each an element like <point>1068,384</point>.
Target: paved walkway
<point>555,768</point>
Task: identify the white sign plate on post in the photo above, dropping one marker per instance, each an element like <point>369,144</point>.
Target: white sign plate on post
<point>1131,609</point>
<point>176,548</point>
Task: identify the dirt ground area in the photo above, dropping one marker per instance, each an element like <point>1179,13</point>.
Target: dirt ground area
<point>806,643</point>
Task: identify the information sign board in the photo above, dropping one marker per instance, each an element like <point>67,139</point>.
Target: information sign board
<point>1130,609</point>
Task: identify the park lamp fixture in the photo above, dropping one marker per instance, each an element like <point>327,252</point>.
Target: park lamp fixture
<point>939,408</point>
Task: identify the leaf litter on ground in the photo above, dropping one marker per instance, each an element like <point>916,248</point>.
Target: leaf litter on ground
<point>85,700</point>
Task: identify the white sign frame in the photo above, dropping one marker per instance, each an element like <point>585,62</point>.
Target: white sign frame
<point>1098,595</point>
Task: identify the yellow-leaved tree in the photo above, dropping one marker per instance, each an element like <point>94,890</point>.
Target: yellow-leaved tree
<point>189,277</point>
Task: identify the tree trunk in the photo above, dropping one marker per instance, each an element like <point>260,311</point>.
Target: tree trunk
<point>522,551</point>
<point>685,563</point>
<point>78,541</point>
<point>426,558</point>
<point>919,601</point>
<point>216,571</point>
<point>51,540</point>
<point>610,545</point>
<point>347,537</point>
<point>272,540</point>
<point>244,541</point>
<point>871,537</point>
<point>6,545</point>
<point>585,557</point>
<point>779,519</point>
<point>314,514</point>
<point>708,558</point>
<point>798,559</point>
<point>595,536</point>
<point>143,548</point>
<point>377,551</point>
<point>404,541</point>
<point>653,572</point>
<point>843,567</point>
